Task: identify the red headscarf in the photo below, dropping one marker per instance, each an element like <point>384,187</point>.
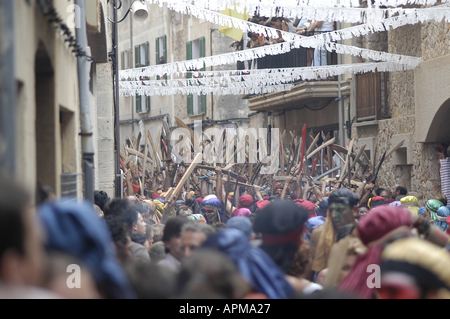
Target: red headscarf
<point>307,205</point>
<point>155,196</point>
<point>245,201</point>
<point>375,229</point>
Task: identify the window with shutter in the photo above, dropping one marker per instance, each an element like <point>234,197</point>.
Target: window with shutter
<point>147,103</point>
<point>137,56</point>
<point>138,103</point>
<point>147,53</point>
<point>190,97</point>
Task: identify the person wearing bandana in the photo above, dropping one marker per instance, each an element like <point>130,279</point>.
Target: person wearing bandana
<point>342,211</point>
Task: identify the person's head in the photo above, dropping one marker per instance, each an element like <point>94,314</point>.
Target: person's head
<point>121,236</point>
<point>398,190</point>
<point>185,211</point>
<point>56,277</point>
<point>172,235</point>
<point>158,231</point>
<point>441,151</point>
<point>143,209</point>
<point>124,209</point>
<point>362,210</point>
<point>192,236</point>
<point>386,194</point>
<point>281,227</point>
<point>210,274</point>
<point>244,224</point>
<point>139,227</point>
<point>157,252</point>
<point>277,23</point>
<point>151,281</point>
<point>442,198</point>
<point>133,200</point>
<point>342,207</point>
<point>100,199</point>
<point>21,248</point>
<point>413,268</point>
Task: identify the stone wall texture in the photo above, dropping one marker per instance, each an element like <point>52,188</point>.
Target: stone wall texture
<point>429,41</point>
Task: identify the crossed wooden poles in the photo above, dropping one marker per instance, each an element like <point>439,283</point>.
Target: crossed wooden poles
<point>294,157</point>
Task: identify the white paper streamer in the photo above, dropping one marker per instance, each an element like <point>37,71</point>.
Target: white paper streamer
<point>438,13</point>
<point>315,10</point>
<point>178,68</point>
<point>234,82</point>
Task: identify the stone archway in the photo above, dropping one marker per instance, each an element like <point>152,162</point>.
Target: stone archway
<point>439,130</point>
<point>432,97</point>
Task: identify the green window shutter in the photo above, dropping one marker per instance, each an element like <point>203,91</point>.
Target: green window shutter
<point>189,50</point>
<point>190,97</point>
<point>147,103</point>
<point>122,60</point>
<point>190,104</point>
<point>165,48</point>
<point>157,51</point>
<point>203,103</point>
<point>130,59</point>
<point>137,56</point>
<point>147,53</point>
<point>138,103</point>
<point>202,49</point>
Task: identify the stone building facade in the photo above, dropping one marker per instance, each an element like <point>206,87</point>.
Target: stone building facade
<point>174,37</point>
<point>417,110</point>
<point>47,104</point>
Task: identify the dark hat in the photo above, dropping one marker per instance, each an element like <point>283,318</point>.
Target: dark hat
<point>280,217</point>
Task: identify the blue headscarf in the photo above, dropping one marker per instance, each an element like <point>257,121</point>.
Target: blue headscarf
<point>313,223</point>
<point>254,265</point>
<point>443,211</point>
<point>242,223</point>
<point>75,229</point>
<point>216,203</point>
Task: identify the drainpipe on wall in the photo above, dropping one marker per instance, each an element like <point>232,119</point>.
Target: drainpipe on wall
<point>7,88</point>
<point>340,101</point>
<point>87,142</point>
<point>132,66</point>
<point>212,69</point>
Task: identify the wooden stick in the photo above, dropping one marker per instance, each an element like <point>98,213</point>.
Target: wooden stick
<point>139,154</point>
<point>317,150</point>
<point>358,155</point>
<point>314,143</point>
<point>188,172</point>
<point>347,159</point>
<point>144,165</point>
<point>149,136</point>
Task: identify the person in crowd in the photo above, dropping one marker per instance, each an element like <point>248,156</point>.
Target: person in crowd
<point>100,199</point>
<point>342,211</point>
<point>412,268</point>
<point>22,256</point>
<point>73,228</point>
<point>172,242</point>
<point>125,209</point>
<point>192,237</point>
<point>209,274</point>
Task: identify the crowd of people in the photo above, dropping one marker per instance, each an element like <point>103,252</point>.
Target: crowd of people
<point>286,240</point>
<point>303,27</point>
